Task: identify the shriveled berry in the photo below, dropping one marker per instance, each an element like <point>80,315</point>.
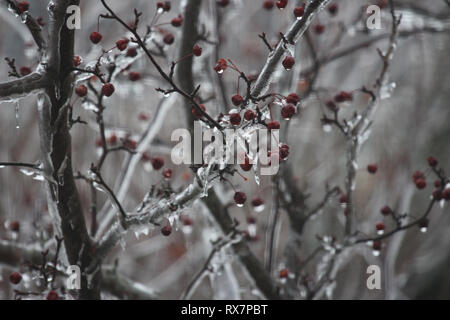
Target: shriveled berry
<point>95,37</point>
<point>108,89</point>
<point>122,44</point>
<point>331,105</point>
<point>288,111</point>
<point>292,98</point>
<point>81,90</point>
<point>343,96</point>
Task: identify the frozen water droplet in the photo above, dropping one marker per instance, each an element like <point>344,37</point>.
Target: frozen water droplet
<point>16,111</point>
<point>1,167</point>
<point>220,71</point>
<point>239,205</point>
<point>259,208</point>
<point>387,90</point>
<point>160,10</point>
<point>380,232</point>
<point>166,95</point>
<point>326,128</point>
<point>423,229</point>
<point>376,253</point>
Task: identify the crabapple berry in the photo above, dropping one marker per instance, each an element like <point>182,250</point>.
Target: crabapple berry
<point>76,61</point>
<point>237,99</point>
<point>221,66</point>
<point>446,194</point>
<point>108,89</point>
<point>287,111</point>
<point>284,273</point>
<point>197,50</point>
<point>256,202</point>
<point>421,184</point>
<point>235,119</point>
<point>131,52</point>
<point>432,161</point>
<point>81,90</point>
<point>376,245</point>
<point>95,37</point>
<point>249,115</point>
<point>380,226</point>
<point>343,96</point>
<point>273,125</point>
<point>319,28</point>
<point>52,295</point>
<point>281,4</point>
<point>333,8</point>
<point>24,71</point>
<point>223,3</point>
<point>292,98</point>
<point>288,62</point>
<point>246,166</point>
<point>15,278</point>
<point>386,210</point>
<point>169,39</point>
<point>268,4</point>
<point>157,163</point>
<point>23,6</point>
<point>14,225</point>
<point>167,174</point>
<point>166,230</point>
<point>240,198</point>
<point>134,76</point>
<point>299,12</point>
<point>177,21</point>
<point>372,168</point>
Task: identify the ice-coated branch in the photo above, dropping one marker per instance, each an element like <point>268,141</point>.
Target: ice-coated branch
<point>34,28</point>
<point>274,60</point>
<point>15,89</point>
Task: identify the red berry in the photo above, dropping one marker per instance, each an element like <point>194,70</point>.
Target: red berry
<point>284,151</point>
<point>96,37</point>
<point>256,202</point>
<point>432,161</point>
<point>372,168</point>
<point>221,66</point>
<point>197,50</point>
<point>284,273</point>
<point>15,278</point>
<point>167,173</point>
<point>14,225</point>
<point>130,144</point>
<point>197,113</point>
<point>134,76</point>
<point>40,21</point>
<point>376,245</point>
<point>112,139</point>
<point>166,230</point>
<point>81,90</point>
<point>421,184</point>
<point>386,210</point>
<point>178,21</point>
<point>299,12</point>
<point>437,183</point>
<point>380,226</point>
<point>249,115</point>
<point>246,166</point>
<point>331,105</point>
<point>268,4</point>
<point>417,176</point>
<point>273,125</point>
<point>169,39</point>
<point>333,8</point>
<point>157,163</point>
<point>143,116</point>
<point>281,4</point>
<point>223,3</point>
<point>24,71</point>
<point>122,44</point>
<point>237,99</point>
<point>165,6</point>
<point>319,28</point>
<point>343,96</point>
<point>76,61</point>
<point>292,98</point>
<point>235,119</point>
<point>446,194</point>
<point>99,143</point>
<point>108,89</point>
<point>240,198</point>
<point>23,6</point>
<point>288,62</point>
<point>52,295</point>
<point>287,111</point>
<point>343,199</point>
<point>131,52</point>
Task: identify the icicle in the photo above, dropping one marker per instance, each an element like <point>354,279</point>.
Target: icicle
<point>16,110</point>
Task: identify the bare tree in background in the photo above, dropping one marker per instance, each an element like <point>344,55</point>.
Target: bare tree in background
<point>363,122</point>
